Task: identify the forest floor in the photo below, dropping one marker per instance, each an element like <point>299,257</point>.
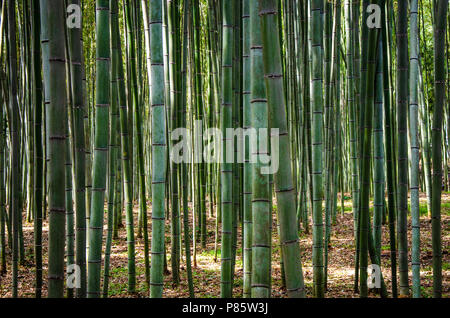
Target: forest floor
<point>206,274</point>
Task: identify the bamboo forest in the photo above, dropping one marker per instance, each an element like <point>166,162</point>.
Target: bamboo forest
<point>224,149</point>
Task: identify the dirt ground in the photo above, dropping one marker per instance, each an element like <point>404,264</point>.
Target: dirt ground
<point>206,274</point>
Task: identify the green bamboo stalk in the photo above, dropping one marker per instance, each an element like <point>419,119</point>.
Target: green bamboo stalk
<point>172,109</point>
<point>3,17</point>
<point>14,133</point>
<point>260,188</point>
<point>389,155</point>
<point>402,158</point>
<point>307,103</point>
<point>126,164</point>
<point>334,128</point>
<point>57,144</point>
<point>355,137</point>
<point>118,205</point>
<point>3,215</point>
<point>283,177</point>
<point>378,153</point>
<point>145,217</point>
<point>226,168</point>
<point>70,234</point>
<point>133,79</point>
<point>76,56</point>
<point>100,147</point>
<point>338,94</point>
<point>158,148</point>
<point>364,217</point>
<point>328,129</point>
<point>414,144</point>
<point>352,123</point>
<point>247,217</point>
<point>184,166</point>
<point>425,141</point>
<point>317,144</point>
<point>440,7</point>
<point>132,93</point>
<point>114,114</point>
<point>362,70</point>
<point>236,119</point>
<point>38,154</point>
<point>198,87</point>
<point>425,122</point>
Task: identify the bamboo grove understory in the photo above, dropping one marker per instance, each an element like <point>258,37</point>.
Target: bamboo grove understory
<point>353,96</point>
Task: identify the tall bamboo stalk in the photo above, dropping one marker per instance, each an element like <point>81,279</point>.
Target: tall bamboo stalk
<point>261,192</point>
<point>112,144</point>
<point>402,163</point>
<point>414,141</point>
<point>389,147</point>
<point>440,7</point>
<point>38,154</point>
<point>247,217</point>
<point>14,133</point>
<point>100,147</point>
<point>378,153</point>
<point>184,167</point>
<point>144,215</point>
<point>268,10</point>
<point>173,112</point>
<point>57,145</point>
<point>126,162</point>
<point>317,143</point>
<point>3,214</point>
<point>158,148</point>
<point>226,167</point>
<point>76,56</point>
<point>364,217</point>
